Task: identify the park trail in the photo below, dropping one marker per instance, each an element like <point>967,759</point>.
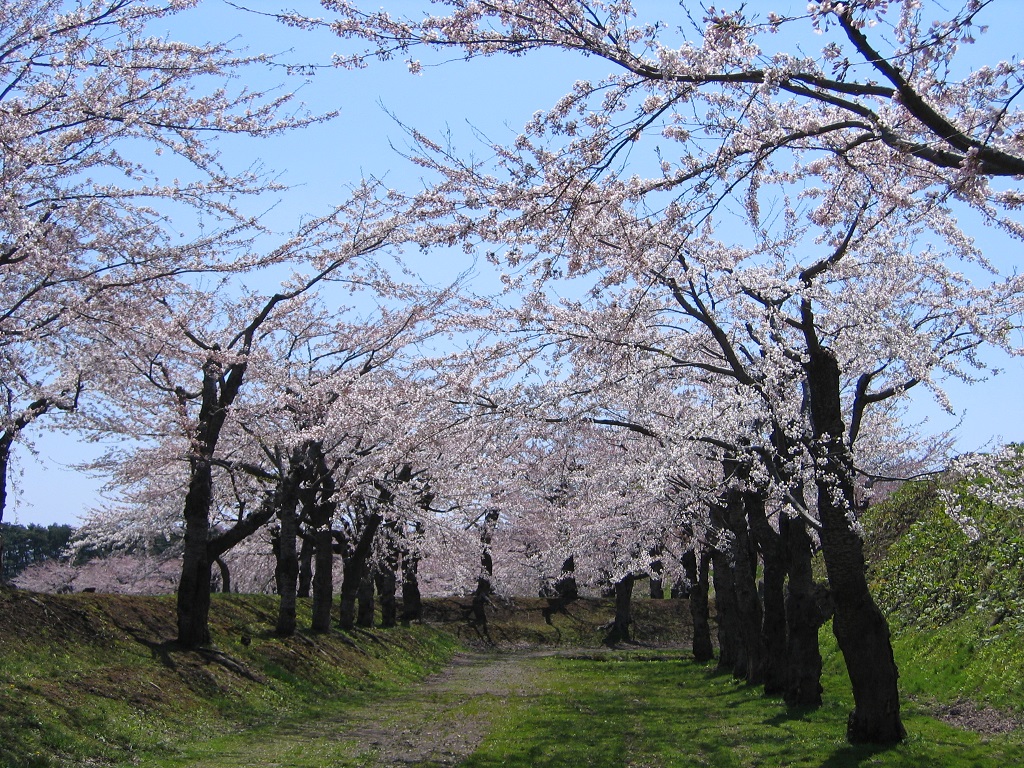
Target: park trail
<point>438,722</point>
<point>443,720</point>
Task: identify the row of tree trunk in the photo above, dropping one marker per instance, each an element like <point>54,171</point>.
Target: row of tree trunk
<point>371,546</point>
<point>767,633</point>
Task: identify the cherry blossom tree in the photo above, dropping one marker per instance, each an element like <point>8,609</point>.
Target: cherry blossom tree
<point>188,365</point>
<point>91,95</point>
<point>802,223</point>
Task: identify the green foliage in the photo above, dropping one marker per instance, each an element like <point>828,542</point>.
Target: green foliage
<point>26,545</point>
<point>952,592</point>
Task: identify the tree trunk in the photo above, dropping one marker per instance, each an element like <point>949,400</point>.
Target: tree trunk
<point>484,581</point>
<point>318,508</point>
<point>620,629</point>
<point>773,624</point>
<point>702,648</point>
<point>566,589</point>
<point>354,567</point>
<point>6,439</point>
<point>385,579</point>
<point>193,600</point>
<point>305,564</point>
<point>657,583</point>
<point>225,575</point>
<point>323,578</point>
<point>366,603</point>
<point>412,602</point>
<point>286,572</point>
<point>750,666</point>
<point>731,656</point>
<point>859,626</point>
<point>387,587</point>
<point>193,603</point>
<point>803,670</point>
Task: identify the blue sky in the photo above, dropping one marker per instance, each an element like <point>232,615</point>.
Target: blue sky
<point>496,96</point>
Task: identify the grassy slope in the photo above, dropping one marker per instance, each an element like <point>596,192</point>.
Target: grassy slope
<point>955,603</point>
<point>90,677</point>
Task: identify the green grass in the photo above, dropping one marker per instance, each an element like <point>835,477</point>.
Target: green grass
<point>88,680</point>
<point>91,679</point>
<point>963,659</point>
<point>954,601</point>
<point>621,711</point>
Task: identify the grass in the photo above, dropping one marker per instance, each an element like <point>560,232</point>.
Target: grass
<point>954,601</point>
<point>663,710</point>
<point>91,679</point>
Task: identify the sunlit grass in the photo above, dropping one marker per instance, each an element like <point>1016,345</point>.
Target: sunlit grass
<point>672,712</point>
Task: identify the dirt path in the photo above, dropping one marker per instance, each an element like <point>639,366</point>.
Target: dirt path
<point>438,722</point>
<point>443,719</point>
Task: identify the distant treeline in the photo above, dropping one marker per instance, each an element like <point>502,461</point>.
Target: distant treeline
<point>25,545</point>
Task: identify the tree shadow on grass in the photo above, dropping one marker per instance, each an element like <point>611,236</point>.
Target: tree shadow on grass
<point>855,755</point>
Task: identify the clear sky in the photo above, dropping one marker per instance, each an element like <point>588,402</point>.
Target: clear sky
<point>496,96</point>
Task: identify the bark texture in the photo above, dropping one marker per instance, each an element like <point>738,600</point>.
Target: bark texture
<point>859,626</point>
<point>703,650</point>
<point>773,623</point>
<point>620,631</point>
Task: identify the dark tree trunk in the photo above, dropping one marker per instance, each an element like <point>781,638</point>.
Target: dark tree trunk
<point>859,626</point>
<point>750,666</point>
<point>387,587</point>
<point>731,657</point>
<point>657,584</point>
<point>773,625</point>
<point>286,572</point>
<point>354,566</point>
<point>6,440</point>
<point>323,578</point>
<point>385,579</point>
<point>484,581</point>
<point>318,505</point>
<point>699,613</point>
<point>366,604</point>
<point>803,618</point>
<point>684,583</point>
<point>620,630</point>
<point>412,602</point>
<point>566,589</point>
<point>305,564</point>
<point>193,599</point>
<point>225,575</point>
